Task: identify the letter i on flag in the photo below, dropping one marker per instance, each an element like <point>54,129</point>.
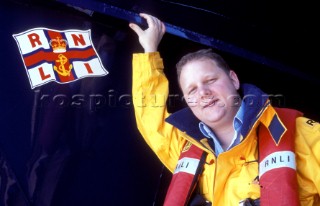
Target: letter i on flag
<point>60,56</point>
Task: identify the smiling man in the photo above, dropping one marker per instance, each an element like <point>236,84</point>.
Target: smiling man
<point>230,146</point>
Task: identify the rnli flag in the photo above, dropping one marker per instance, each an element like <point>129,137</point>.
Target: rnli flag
<point>60,56</point>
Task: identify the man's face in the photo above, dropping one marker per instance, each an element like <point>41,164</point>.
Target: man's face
<point>210,92</point>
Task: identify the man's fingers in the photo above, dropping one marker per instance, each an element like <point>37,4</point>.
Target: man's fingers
<point>148,18</point>
<point>135,28</point>
<point>151,20</point>
<point>163,28</point>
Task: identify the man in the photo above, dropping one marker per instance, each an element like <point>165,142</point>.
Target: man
<point>230,146</point>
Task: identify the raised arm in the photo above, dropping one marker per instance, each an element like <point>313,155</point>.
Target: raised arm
<point>150,92</point>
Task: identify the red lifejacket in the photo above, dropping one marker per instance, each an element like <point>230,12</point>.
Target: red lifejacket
<point>277,170</point>
<point>277,165</point>
<point>185,176</point>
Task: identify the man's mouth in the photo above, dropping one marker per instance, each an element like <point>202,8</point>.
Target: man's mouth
<point>210,103</point>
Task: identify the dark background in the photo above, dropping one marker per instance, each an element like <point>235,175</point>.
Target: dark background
<point>60,155</point>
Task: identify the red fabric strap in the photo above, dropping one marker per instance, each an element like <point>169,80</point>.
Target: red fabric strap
<point>185,176</point>
<point>277,166</point>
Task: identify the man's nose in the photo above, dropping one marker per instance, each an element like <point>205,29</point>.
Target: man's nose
<point>204,91</point>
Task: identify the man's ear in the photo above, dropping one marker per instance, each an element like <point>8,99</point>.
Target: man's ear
<point>234,78</point>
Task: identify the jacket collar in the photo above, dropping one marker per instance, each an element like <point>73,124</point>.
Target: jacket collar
<point>256,101</point>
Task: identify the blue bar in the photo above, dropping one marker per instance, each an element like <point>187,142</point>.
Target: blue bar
<point>130,16</point>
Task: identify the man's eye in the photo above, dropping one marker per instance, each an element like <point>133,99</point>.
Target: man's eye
<point>192,91</point>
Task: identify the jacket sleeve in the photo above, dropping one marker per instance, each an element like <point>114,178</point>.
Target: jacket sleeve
<point>150,93</point>
<point>308,160</point>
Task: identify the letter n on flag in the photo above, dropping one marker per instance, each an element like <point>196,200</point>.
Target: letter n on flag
<point>60,56</point>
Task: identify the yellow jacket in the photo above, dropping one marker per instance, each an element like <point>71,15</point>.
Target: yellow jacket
<point>228,178</point>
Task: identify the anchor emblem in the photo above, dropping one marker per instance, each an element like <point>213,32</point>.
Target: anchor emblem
<point>61,69</point>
